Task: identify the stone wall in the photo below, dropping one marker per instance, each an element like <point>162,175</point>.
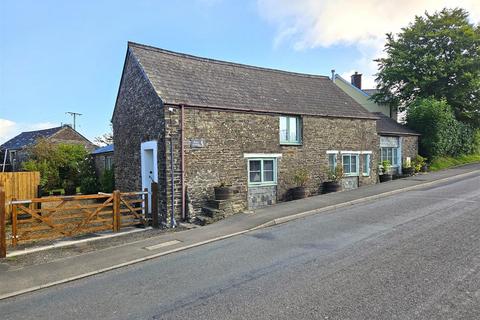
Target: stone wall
<point>409,147</point>
<point>138,117</point>
<point>100,160</point>
<point>227,135</point>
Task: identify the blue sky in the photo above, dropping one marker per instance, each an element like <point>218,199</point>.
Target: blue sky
<point>58,56</point>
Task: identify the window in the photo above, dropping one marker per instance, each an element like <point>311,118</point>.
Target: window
<point>366,164</point>
<point>332,162</point>
<point>350,164</point>
<point>390,154</point>
<point>108,162</point>
<point>290,130</point>
<point>262,171</point>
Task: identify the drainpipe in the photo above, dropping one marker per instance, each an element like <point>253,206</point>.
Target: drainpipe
<point>182,148</point>
<point>172,176</point>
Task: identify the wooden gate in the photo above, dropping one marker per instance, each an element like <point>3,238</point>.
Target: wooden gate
<point>56,217</point>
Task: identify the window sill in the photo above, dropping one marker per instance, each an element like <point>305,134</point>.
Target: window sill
<point>262,184</point>
<point>351,174</point>
<point>284,143</point>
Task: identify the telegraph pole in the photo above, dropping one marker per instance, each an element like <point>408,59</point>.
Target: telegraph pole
<point>74,115</point>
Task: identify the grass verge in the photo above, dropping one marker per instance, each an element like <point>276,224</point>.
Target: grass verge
<point>448,162</point>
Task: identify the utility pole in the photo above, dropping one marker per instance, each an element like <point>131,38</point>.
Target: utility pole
<point>74,115</point>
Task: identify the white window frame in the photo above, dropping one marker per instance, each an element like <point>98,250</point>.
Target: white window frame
<point>394,156</point>
<point>366,158</point>
<point>299,125</point>
<point>262,182</point>
<point>356,154</point>
<point>332,153</point>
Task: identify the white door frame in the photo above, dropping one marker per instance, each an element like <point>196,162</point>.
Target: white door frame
<point>149,162</point>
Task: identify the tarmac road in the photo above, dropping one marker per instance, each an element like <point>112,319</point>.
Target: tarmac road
<point>414,255</point>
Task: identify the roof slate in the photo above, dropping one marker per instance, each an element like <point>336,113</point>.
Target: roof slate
<point>104,149</point>
<point>387,125</point>
<point>27,138</point>
<point>185,79</point>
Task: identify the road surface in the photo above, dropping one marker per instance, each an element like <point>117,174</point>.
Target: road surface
<point>415,255</point>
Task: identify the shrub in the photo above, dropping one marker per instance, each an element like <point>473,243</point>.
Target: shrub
<point>441,133</point>
<point>88,177</point>
<point>107,181</point>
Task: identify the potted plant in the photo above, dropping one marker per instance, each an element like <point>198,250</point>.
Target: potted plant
<point>408,171</point>
<point>223,191</point>
<point>420,164</point>
<point>300,179</point>
<point>334,180</point>
<point>386,172</point>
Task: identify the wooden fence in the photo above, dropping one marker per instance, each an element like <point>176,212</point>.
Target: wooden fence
<point>50,218</point>
<point>19,185</point>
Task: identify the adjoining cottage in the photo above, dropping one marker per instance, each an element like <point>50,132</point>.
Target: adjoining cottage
<point>15,151</point>
<point>398,144</point>
<point>249,127</point>
<point>103,158</point>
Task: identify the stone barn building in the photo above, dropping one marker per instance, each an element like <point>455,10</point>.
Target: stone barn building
<point>248,127</point>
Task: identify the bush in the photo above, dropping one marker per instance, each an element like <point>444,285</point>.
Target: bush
<point>442,134</point>
<point>107,181</point>
<point>88,177</point>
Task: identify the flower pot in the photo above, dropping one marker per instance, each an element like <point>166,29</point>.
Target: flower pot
<point>408,171</point>
<point>298,193</point>
<point>222,193</point>
<point>331,186</point>
<point>385,177</point>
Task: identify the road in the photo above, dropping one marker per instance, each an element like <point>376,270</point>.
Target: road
<point>415,255</point>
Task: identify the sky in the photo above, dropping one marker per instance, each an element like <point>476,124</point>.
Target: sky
<point>60,56</point>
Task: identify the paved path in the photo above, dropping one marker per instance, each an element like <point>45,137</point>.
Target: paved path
<point>415,255</point>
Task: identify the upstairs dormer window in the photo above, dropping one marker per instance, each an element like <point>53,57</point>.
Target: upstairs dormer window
<point>290,130</point>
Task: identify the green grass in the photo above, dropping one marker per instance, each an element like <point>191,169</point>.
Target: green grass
<point>448,162</point>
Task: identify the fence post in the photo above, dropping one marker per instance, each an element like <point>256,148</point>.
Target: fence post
<point>116,211</point>
<point>14,224</point>
<point>3,222</point>
<point>154,188</point>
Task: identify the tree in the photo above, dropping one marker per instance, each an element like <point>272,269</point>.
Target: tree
<point>59,165</point>
<point>435,56</point>
<point>106,138</point>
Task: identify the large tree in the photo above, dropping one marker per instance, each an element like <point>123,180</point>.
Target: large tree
<point>436,56</point>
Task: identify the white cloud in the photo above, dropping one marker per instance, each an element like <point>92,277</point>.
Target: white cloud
<point>9,129</point>
<point>308,24</point>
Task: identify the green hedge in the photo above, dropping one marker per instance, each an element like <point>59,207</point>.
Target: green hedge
<point>442,134</point>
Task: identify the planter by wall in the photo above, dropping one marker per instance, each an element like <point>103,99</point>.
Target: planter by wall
<point>408,171</point>
<point>385,177</point>
<point>298,193</point>
<point>222,193</point>
<point>332,186</point>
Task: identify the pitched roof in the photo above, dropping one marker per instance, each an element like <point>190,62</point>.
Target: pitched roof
<point>387,125</point>
<point>104,149</point>
<point>370,91</point>
<point>184,79</point>
<point>27,138</point>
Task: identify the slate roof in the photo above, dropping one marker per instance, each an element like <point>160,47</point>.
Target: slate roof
<point>185,79</point>
<point>387,125</point>
<point>27,138</point>
<point>104,149</point>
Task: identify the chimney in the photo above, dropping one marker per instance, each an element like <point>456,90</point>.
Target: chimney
<point>357,80</point>
<point>333,75</point>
